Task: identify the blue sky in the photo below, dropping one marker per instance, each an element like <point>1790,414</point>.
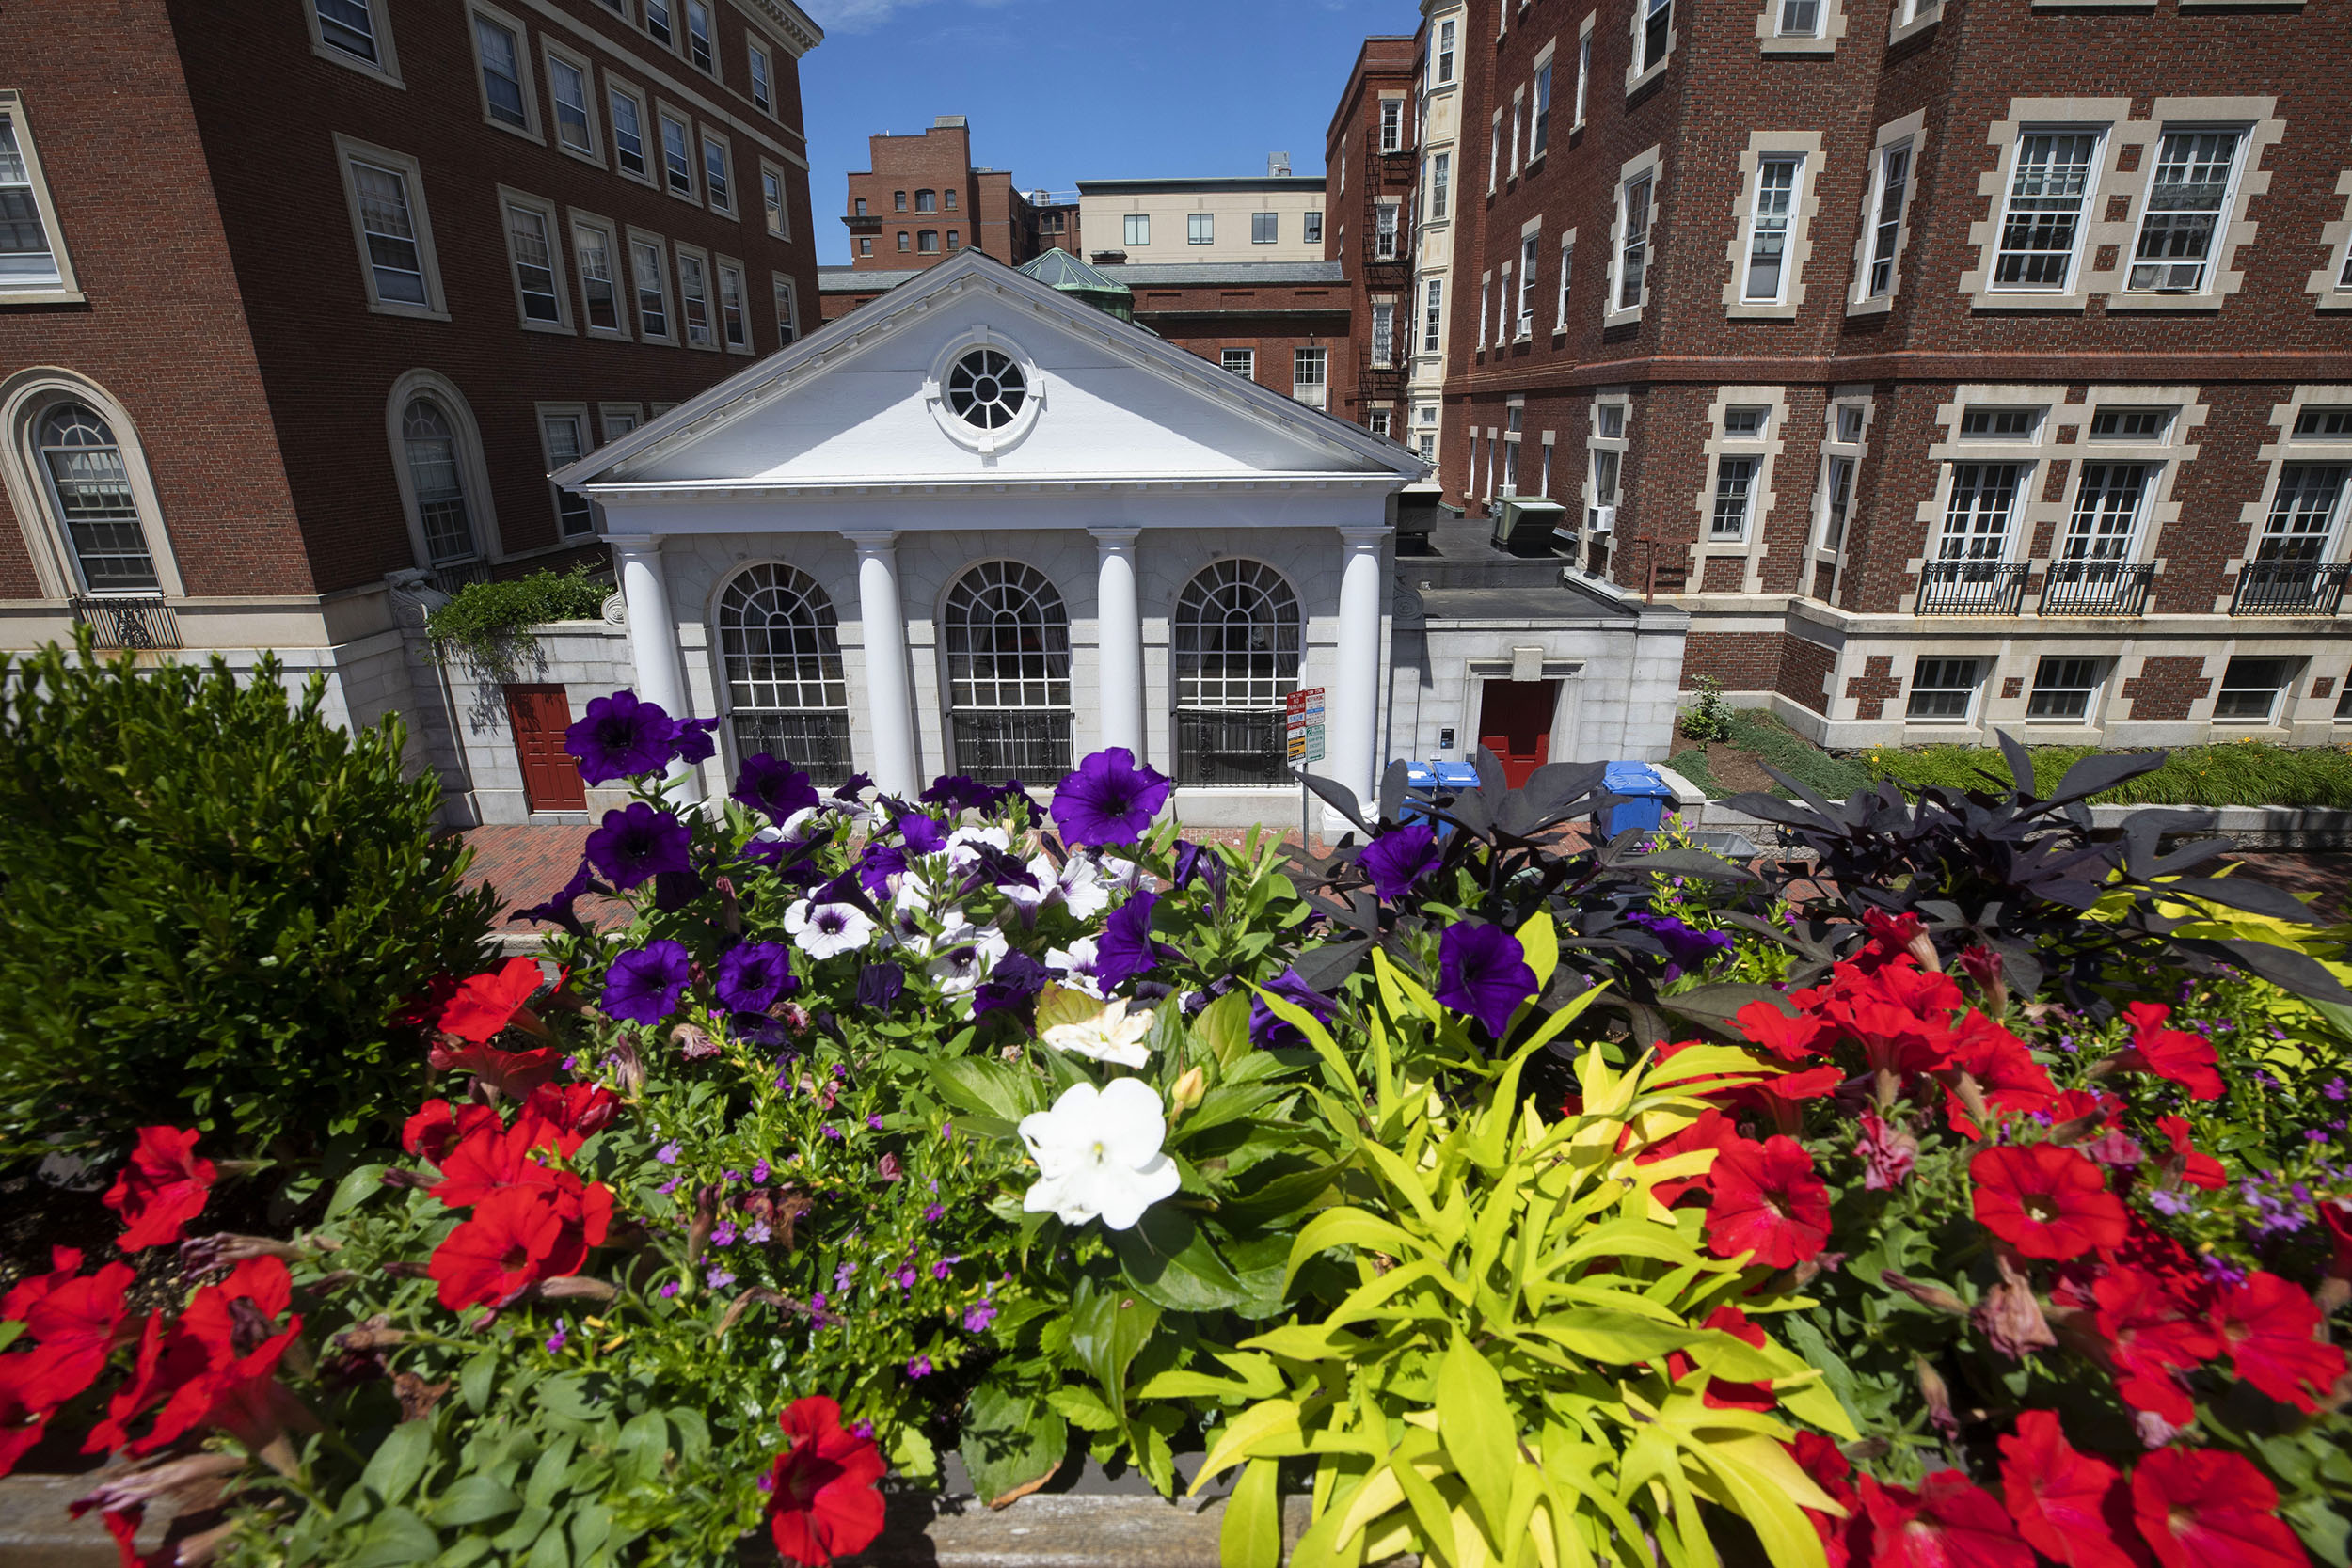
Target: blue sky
<point>1060,90</point>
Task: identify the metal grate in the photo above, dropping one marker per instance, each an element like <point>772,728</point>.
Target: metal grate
<point>123,623</point>
<point>448,579</point>
<point>1237,637</point>
<point>1230,749</point>
<point>2289,587</point>
<point>1969,588</point>
<point>816,743</point>
<point>2096,588</point>
<point>1030,746</point>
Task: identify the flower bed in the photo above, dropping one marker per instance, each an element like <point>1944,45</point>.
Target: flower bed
<point>1520,1207</point>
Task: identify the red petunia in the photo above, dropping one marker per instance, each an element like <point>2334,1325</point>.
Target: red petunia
<point>1892,937</point>
<point>517,1237</point>
<point>22,1417</point>
<point>1949,1523</point>
<point>496,1072</point>
<point>2068,1505</point>
<point>2002,1066</point>
<point>1792,1039</point>
<point>2206,1508</point>
<point>438,1127</point>
<point>2271,1331</point>
<point>821,1498</point>
<point>1767,1201</point>
<point>2196,1169</point>
<point>2151,1331</point>
<point>65,1265</point>
<point>562,1119</point>
<point>75,1328</point>
<point>486,1003</point>
<point>161,1189</point>
<point>1713,1130</point>
<point>491,1159</point>
<point>1721,1394</point>
<point>1833,1474</point>
<point>2173,1055</point>
<point>2045,1201</point>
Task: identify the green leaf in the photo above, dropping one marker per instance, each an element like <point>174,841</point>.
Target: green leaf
<point>1475,1422</point>
<point>398,1463</point>
<point>1250,1535</point>
<point>1012,1441</point>
<point>1619,1337</point>
<point>1223,1026</point>
<point>549,1551</point>
<point>1347,1228</point>
<point>478,1381</point>
<point>1083,1407</point>
<point>547,1476</point>
<point>474,1500</point>
<point>645,1445</point>
<point>567,1397</point>
<point>354,1189</point>
<point>1170,1259</point>
<point>1539,941</point>
<point>1107,1327</point>
<point>396,1538</point>
<point>1262,1429</point>
<point>984,1087</point>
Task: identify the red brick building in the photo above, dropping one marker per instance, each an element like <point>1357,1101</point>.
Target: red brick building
<point>1956,366</point>
<point>1370,153</point>
<point>296,297</point>
<point>923,199</point>
<point>1284,324</point>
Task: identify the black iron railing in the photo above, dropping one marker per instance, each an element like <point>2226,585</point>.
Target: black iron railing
<point>1970,588</point>
<point>448,579</point>
<point>2289,588</point>
<point>128,622</point>
<point>2096,588</point>
<point>994,746</point>
<point>1213,749</point>
<point>816,743</point>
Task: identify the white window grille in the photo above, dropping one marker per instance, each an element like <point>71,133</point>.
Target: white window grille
<point>390,228</point>
<point>1307,375</point>
<point>2063,689</point>
<point>535,263</point>
<point>1975,520</point>
<point>1734,484</point>
<point>1527,285</point>
<point>501,73</point>
<point>568,85</point>
<point>1242,362</point>
<point>2250,689</point>
<point>1007,636</point>
<point>436,473</point>
<point>786,693</point>
<point>27,259</point>
<point>567,443</point>
<point>1383,333</point>
<point>1433,315</point>
<point>1776,182</point>
<point>2304,513</point>
<point>1237,643</point>
<point>2179,221</point>
<point>2108,503</point>
<point>89,488</point>
<point>1392,124</point>
<point>1943,691</point>
<point>2042,229</point>
<point>1887,222</point>
<point>653,310</point>
<point>592,248</point>
<point>1633,253</point>
<point>694,293</point>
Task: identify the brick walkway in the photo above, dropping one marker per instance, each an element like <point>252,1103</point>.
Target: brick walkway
<point>528,863</point>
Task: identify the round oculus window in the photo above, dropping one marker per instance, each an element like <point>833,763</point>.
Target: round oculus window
<point>985,389</point>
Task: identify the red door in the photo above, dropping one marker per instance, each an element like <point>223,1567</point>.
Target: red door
<point>1514,723</point>
<point>539,715</point>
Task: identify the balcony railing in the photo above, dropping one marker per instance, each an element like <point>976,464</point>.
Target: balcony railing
<point>2289,588</point>
<point>2096,588</point>
<point>1970,588</point>
<point>128,622</point>
<point>450,578</point>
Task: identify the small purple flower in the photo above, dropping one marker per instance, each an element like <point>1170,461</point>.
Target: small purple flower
<point>1269,1031</point>
<point>757,1234</point>
<point>1125,949</point>
<point>645,984</point>
<point>557,1340</point>
<point>2165,1201</point>
<point>1109,799</point>
<point>919,1367</point>
<point>692,737</point>
<point>759,1173</point>
<point>841,1275</point>
<point>923,833</point>
<point>977,1316</point>
<point>941,1270</point>
<point>767,1481</point>
<point>864,1431</point>
<point>722,1234</point>
<point>1688,948</point>
<point>1398,858</point>
<point>753,974</point>
<point>669,1289</point>
<point>906,1277</point>
<point>639,843</point>
<point>773,787</point>
<point>2337,1089</point>
<point>718,1279</point>
<point>933,1213</point>
<point>830,1130</point>
<point>620,737</point>
<point>880,987</point>
<point>1482,971</point>
<point>668,1187</point>
<point>667,1154</point>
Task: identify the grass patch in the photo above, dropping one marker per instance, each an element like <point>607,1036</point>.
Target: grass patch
<point>2241,774</point>
<point>1776,745</point>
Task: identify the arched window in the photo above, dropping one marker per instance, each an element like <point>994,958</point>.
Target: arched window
<point>436,471</point>
<point>89,488</point>
<point>1237,646</point>
<point>1008,674</point>
<point>785,693</point>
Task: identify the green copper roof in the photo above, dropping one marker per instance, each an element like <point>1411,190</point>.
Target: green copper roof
<point>1058,269</point>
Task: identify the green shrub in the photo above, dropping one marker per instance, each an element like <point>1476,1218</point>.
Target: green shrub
<point>211,899</point>
<point>2239,773</point>
<point>1778,746</point>
<point>487,623</point>
<point>1711,718</point>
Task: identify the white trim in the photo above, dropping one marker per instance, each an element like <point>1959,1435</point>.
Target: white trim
<point>649,135</point>
<point>481,507</point>
<point>722,268</point>
<point>663,81</point>
<point>2255,124</point>
<point>633,412</point>
<point>1908,134</point>
<point>664,115</point>
<point>681,254</point>
<point>704,137</point>
<point>542,413</point>
<point>2331,285</point>
<point>1647,165</point>
<point>384,68</point>
<point>675,334</point>
<point>616,258</point>
<point>1803,147</point>
<point>347,150</point>
<point>558,271</point>
<point>554,53</point>
<point>67,290</point>
<point>778,223</point>
<point>525,80</point>
<point>969,436</point>
<point>785,292</point>
<point>24,397</point>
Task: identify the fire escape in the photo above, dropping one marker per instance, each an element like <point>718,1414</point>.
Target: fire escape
<point>1385,252</point>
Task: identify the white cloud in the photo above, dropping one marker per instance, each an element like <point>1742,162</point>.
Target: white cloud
<point>856,16</point>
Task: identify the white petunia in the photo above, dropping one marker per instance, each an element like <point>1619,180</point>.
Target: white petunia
<point>960,851</point>
<point>1098,1154</point>
<point>1106,1034</point>
<point>1075,964</point>
<point>957,970</point>
<point>822,930</point>
<point>1045,886</point>
<point>802,826</point>
<point>1082,888</point>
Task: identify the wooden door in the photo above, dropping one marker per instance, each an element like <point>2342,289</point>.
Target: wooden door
<point>539,715</point>
<point>1514,723</point>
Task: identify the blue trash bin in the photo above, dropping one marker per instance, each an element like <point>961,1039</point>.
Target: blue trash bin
<point>1647,799</point>
<point>1452,777</point>
<point>1418,776</point>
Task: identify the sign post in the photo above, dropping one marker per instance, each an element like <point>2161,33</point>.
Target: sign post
<point>1302,734</point>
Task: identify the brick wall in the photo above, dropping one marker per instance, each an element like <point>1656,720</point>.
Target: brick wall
<point>1805,672</point>
<point>2165,687</point>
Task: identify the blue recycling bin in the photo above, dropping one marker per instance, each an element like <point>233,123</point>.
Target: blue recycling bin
<point>1647,803</point>
<point>1452,777</point>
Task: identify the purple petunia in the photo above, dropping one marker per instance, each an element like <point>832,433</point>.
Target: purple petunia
<point>1267,1030</point>
<point>1398,858</point>
<point>1482,971</point>
<point>1125,948</point>
<point>924,833</point>
<point>1688,948</point>
<point>879,988</point>
<point>933,1213</point>
<point>1109,799</point>
<point>692,737</point>
<point>1187,862</point>
<point>557,910</point>
<point>752,974</point>
<point>639,843</point>
<point>620,737</point>
<point>958,792</point>
<point>1012,985</point>
<point>557,1340</point>
<point>645,984</point>
<point>773,787</point>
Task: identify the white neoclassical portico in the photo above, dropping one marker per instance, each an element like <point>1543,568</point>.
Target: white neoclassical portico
<point>979,527</point>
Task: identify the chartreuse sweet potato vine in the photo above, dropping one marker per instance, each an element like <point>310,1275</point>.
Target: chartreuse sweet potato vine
<point>1521,1374</point>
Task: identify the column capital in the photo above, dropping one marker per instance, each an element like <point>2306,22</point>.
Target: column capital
<point>637,544</point>
<point>870,541</point>
<point>1358,535</point>
<point>1114,538</point>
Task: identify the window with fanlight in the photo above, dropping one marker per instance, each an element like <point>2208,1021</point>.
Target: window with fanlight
<point>1007,636</point>
<point>88,488</point>
<point>986,390</point>
<point>787,692</point>
<point>1237,646</point>
<point>436,473</point>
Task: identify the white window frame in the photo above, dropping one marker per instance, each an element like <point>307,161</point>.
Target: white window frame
<point>25,400</point>
<point>787,295</point>
<point>1242,362</point>
<point>1392,124</point>
<point>663,117</point>
<point>1201,229</point>
<point>681,254</point>
<point>674,333</point>
<point>1442,59</point>
<point>1643,171</point>
<point>722,202</point>
<point>347,152</point>
<point>1387,230</point>
<point>648,136</point>
<point>1750,467</point>
<point>2282,695</point>
<point>1788,222</point>
<point>1539,97</point>
<point>699,48</point>
<point>1518,126</point>
<point>1905,136</point>
<point>553,56</point>
<point>2211,267</point>
<point>723,268</point>
<point>530,129</point>
<point>473,467</point>
<point>616,256</point>
<point>67,289</point>
<point>1485,297</point>
<point>2070,286</point>
<point>669,24</point>
<point>1383,347</point>
<point>1432,335</point>
<point>1318,358</point>
<point>548,413</point>
<point>1531,259</point>
<point>551,222</point>
<point>1837,447</point>
<point>384,68</point>
<point>1967,715</point>
<point>778,214</point>
<point>760,66</point>
<point>1135,230</point>
<point>618,419</point>
<point>1440,186</point>
<point>1639,69</point>
<point>1583,69</point>
<point>1494,154</point>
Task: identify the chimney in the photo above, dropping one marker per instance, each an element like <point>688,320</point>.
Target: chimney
<point>1278,164</point>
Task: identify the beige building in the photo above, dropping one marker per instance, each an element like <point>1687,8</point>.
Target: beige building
<point>1274,217</point>
<point>1441,65</point>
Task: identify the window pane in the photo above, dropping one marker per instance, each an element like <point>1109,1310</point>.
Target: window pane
<point>759,77</point>
<point>628,134</point>
<point>731,308</point>
<point>1236,653</point>
<point>1265,227</point>
<point>693,299</point>
<point>2047,190</point>
<point>1975,524</point>
<point>440,490</point>
<point>347,26</point>
<point>2106,510</point>
<point>392,237</point>
<point>1768,226</point>
<point>2303,512</point>
<point>571,104</point>
<point>675,156</point>
<point>2062,688</point>
<point>1138,227</point>
<point>2185,197</point>
<point>653,314</point>
<point>566,444</point>
<point>1894,181</point>
<point>1839,489</point>
<point>771,192</point>
<point>1009,689</point>
<point>1734,477</point>
<point>1240,361</point>
<point>2250,689</point>
<point>715,172</point>
<point>597,285</point>
<point>25,260</point>
<point>786,693</point>
<point>501,74</point>
<point>698,32</point>
<point>535,268</point>
<point>91,488</point>
<point>1635,254</point>
<point>1942,688</point>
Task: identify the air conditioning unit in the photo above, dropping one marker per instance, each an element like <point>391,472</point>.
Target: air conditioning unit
<point>2172,278</point>
<point>1600,519</point>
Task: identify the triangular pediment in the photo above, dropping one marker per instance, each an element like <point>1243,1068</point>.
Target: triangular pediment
<point>874,398</point>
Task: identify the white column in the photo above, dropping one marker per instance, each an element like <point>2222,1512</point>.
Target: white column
<point>653,643</point>
<point>1354,699</point>
<point>1120,635</point>
<point>889,694</point>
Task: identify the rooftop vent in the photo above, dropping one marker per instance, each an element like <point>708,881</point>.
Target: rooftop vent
<point>1278,164</point>
<point>951,123</point>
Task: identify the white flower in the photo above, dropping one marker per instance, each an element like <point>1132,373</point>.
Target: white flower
<point>959,969</point>
<point>960,851</point>
<point>1082,888</point>
<point>1105,1032</point>
<point>1045,887</point>
<point>822,930</point>
<point>800,826</point>
<point>1121,876</point>
<point>1098,1154</point>
<point>1076,965</point>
